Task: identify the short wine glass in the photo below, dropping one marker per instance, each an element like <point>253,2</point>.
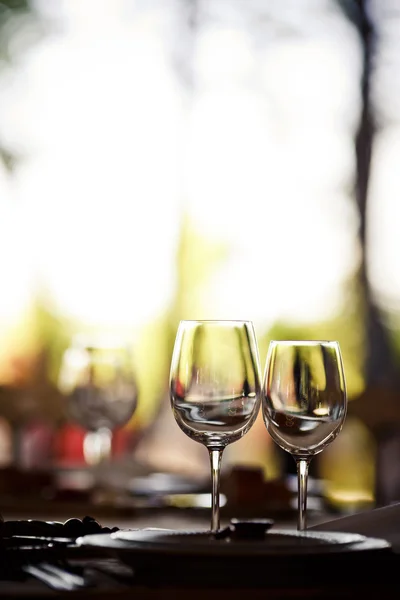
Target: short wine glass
<point>304,402</point>
<point>97,379</point>
<point>215,388</point>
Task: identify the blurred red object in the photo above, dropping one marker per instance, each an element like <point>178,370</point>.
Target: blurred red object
<point>68,444</point>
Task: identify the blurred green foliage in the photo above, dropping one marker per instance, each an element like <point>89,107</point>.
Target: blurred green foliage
<point>197,260</point>
<point>347,327</point>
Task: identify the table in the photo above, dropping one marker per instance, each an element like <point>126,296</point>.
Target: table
<point>107,586</point>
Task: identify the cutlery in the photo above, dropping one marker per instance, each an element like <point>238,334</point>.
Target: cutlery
<point>57,577</point>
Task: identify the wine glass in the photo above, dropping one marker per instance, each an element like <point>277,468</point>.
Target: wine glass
<point>215,388</point>
<point>96,376</point>
<point>304,402</point>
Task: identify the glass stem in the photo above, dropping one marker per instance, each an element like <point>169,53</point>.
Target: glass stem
<point>97,447</point>
<point>215,460</point>
<point>302,478</point>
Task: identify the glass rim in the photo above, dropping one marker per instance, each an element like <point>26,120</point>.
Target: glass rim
<point>303,342</point>
<point>215,321</point>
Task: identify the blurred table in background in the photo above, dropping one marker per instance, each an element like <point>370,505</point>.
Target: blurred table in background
<point>115,495</point>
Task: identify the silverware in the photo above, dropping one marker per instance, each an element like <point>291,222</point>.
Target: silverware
<point>57,577</point>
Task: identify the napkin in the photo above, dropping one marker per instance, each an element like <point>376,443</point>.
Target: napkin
<point>383,523</point>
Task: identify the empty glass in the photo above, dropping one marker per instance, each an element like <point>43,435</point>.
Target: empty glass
<point>304,402</point>
<point>215,388</point>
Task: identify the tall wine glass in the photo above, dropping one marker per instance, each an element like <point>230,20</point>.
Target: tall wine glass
<point>215,388</point>
<point>304,402</point>
<point>97,380</point>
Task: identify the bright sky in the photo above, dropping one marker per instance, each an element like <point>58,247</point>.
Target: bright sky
<point>263,159</point>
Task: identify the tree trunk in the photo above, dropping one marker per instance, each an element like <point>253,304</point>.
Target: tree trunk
<point>380,364</point>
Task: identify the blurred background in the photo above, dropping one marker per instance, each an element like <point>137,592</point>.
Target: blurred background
<point>172,159</point>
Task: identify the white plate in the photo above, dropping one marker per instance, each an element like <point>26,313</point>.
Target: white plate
<point>203,544</point>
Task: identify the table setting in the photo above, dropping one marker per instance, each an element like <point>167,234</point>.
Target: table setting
<point>216,392</point>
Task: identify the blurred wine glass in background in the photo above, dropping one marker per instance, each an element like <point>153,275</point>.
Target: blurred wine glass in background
<point>97,379</point>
